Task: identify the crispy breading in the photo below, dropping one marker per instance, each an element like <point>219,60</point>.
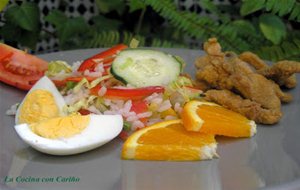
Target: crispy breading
<point>239,85</point>
<point>281,72</point>
<point>251,109</point>
<point>253,60</point>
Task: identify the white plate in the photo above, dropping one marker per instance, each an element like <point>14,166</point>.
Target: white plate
<point>271,159</point>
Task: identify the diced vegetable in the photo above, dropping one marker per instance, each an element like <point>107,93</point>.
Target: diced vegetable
<point>20,69</point>
<point>142,67</point>
<point>139,106</point>
<point>126,94</point>
<point>105,57</point>
<point>84,79</point>
<point>56,67</point>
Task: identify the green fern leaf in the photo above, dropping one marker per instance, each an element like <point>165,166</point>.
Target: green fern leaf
<point>288,50</point>
<point>250,6</point>
<point>110,38</point>
<point>198,27</point>
<point>295,13</point>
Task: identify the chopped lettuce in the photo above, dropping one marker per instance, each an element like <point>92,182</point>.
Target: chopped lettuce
<point>127,126</point>
<point>85,82</point>
<point>182,87</point>
<point>83,103</point>
<point>55,67</point>
<point>134,43</point>
<point>180,82</point>
<point>70,85</point>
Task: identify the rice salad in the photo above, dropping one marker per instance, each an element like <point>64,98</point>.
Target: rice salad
<point>105,84</point>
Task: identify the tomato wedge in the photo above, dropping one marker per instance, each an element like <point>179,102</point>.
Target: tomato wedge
<point>107,57</point>
<point>128,94</point>
<point>84,111</point>
<point>140,106</point>
<point>20,69</point>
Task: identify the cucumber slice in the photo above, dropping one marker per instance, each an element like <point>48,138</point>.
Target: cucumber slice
<point>143,67</point>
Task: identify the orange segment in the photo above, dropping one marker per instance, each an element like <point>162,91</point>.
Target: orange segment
<point>211,118</point>
<point>169,140</point>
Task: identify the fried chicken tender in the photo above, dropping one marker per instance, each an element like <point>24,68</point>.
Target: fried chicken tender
<point>250,109</point>
<point>281,72</point>
<point>238,86</point>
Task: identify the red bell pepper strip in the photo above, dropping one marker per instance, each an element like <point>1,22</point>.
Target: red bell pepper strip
<point>128,94</point>
<point>107,57</point>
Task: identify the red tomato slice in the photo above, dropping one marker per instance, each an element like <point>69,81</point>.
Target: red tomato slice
<point>106,56</point>
<point>139,106</point>
<point>20,69</point>
<point>123,135</point>
<point>84,112</point>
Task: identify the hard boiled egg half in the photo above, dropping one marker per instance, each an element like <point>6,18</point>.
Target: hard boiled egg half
<point>42,124</point>
<point>42,102</point>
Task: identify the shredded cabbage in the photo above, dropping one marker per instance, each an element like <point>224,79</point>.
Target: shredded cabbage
<point>83,103</point>
<point>179,86</point>
<point>86,83</point>
<point>180,82</point>
<point>134,43</point>
<point>55,67</point>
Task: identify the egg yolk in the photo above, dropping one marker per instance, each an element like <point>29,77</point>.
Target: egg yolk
<point>61,127</point>
<point>39,105</point>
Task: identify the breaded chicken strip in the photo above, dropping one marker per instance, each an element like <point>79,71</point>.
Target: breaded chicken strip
<point>250,109</point>
<point>281,72</point>
<point>226,71</point>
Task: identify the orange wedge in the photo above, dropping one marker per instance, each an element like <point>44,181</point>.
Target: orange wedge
<point>211,118</point>
<point>168,140</point>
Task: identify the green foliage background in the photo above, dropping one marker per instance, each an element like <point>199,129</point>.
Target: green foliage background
<point>266,27</point>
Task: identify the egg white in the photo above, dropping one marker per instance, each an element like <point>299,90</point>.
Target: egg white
<point>45,84</point>
<point>100,130</point>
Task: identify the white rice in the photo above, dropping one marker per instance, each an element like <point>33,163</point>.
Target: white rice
<point>107,102</point>
<point>157,100</point>
<point>178,108</point>
<point>164,106</point>
<point>74,97</point>
<point>137,124</point>
<point>151,97</point>
<point>93,109</point>
<point>13,109</point>
<point>127,106</point>
<point>99,68</point>
<point>102,91</point>
<point>132,118</point>
<point>128,114</point>
<point>75,65</point>
<point>144,114</point>
<point>92,74</point>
